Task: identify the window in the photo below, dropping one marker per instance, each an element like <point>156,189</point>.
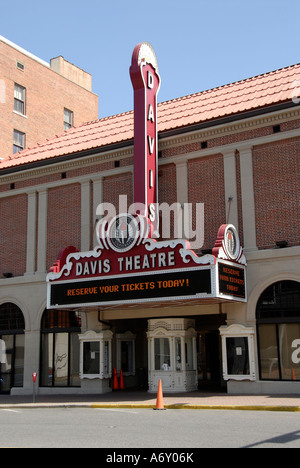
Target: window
<point>68,119</point>
<point>60,349</point>
<point>12,342</point>
<point>19,141</point>
<point>19,99</point>
<point>278,325</point>
<point>20,66</point>
<point>162,356</point>
<point>11,318</point>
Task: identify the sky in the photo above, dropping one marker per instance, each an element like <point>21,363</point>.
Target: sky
<point>199,44</point>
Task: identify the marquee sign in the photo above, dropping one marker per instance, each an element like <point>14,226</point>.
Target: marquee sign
<point>135,288</point>
<point>128,265</point>
<point>148,271</point>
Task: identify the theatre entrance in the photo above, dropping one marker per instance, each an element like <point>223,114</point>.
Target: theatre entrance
<point>130,352</point>
<point>209,353</point>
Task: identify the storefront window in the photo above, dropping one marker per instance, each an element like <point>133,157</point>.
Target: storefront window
<point>47,360</point>
<point>12,340</point>
<point>268,351</point>
<point>278,323</point>
<point>61,359</point>
<point>19,346</point>
<point>74,379</point>
<point>60,349</point>
<point>289,335</point>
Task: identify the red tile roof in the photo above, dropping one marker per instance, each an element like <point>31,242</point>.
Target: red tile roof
<point>243,96</point>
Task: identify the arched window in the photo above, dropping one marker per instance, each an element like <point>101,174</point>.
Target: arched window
<point>60,348</point>
<point>278,327</point>
<point>11,318</point>
<point>12,341</point>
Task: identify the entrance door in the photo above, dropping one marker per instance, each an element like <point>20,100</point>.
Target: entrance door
<point>209,360</point>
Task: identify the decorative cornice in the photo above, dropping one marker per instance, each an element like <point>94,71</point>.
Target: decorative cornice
<point>229,129</point>
<point>69,165</point>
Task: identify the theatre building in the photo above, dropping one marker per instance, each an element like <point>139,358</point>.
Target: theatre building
<point>199,287</point>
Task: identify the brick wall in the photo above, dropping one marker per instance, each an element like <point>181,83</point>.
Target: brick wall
<point>64,220</point>
<point>206,185</point>
<point>276,171</point>
<point>13,234</point>
<point>167,194</point>
<point>47,94</point>
<point>118,185</point>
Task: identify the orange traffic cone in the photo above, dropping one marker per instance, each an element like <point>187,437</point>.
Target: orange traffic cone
<point>122,386</point>
<point>293,374</point>
<point>115,380</point>
<point>159,399</point>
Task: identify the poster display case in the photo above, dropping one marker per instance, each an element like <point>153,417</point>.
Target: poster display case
<point>96,360</point>
<point>238,352</point>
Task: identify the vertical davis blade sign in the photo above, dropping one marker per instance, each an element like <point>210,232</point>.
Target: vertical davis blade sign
<point>146,83</point>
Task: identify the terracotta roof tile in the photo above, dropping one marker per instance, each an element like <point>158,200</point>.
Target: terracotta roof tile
<point>253,93</point>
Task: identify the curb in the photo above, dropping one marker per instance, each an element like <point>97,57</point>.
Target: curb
<point>294,409</point>
<point>206,407</point>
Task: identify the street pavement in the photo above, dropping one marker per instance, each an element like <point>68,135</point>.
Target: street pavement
<point>143,399</point>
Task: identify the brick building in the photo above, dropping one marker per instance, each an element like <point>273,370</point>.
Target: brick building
<point>39,100</point>
<point>235,149</point>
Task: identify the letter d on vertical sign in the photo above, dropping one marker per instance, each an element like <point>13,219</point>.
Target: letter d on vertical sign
<point>150,80</point>
<point>146,83</point>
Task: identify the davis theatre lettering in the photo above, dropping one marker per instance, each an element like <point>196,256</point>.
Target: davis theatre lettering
<point>170,285</point>
<point>126,263</point>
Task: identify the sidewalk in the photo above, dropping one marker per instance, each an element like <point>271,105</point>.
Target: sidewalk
<point>143,399</point>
